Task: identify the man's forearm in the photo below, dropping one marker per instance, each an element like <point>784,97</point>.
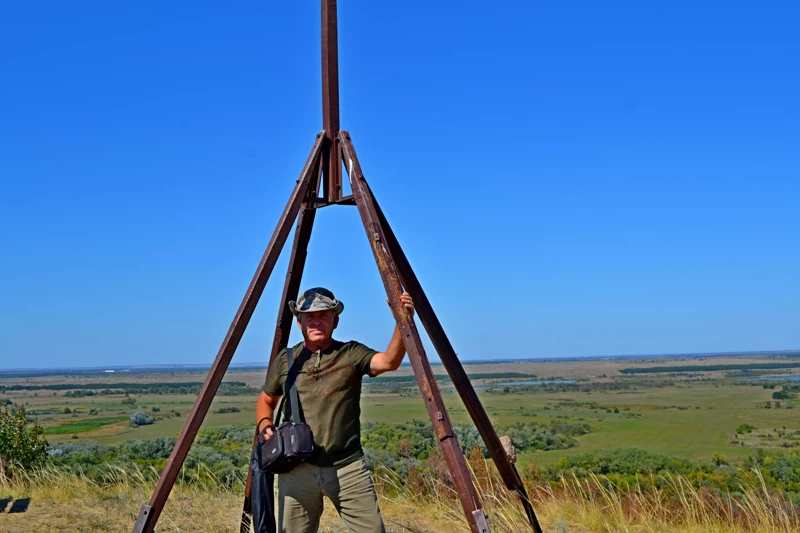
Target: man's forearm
<point>393,356</point>
<point>263,411</point>
<point>396,350</point>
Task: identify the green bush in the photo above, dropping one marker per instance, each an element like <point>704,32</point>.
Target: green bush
<point>232,409</point>
<point>141,419</point>
<point>631,461</point>
<point>22,443</point>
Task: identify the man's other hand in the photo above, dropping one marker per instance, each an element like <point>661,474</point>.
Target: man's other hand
<point>265,435</point>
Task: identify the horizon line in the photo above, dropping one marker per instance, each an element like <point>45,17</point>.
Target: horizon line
<point>262,364</point>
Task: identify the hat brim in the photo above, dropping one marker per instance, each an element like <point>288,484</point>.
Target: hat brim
<point>295,311</point>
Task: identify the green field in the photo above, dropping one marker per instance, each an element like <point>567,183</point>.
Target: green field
<point>81,426</point>
<point>692,415</point>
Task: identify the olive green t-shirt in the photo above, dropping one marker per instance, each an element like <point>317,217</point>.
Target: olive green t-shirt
<point>329,387</point>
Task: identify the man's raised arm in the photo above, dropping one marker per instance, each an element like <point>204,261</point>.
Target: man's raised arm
<point>393,356</point>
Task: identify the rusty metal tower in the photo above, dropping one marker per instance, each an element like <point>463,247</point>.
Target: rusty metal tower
<point>320,185</point>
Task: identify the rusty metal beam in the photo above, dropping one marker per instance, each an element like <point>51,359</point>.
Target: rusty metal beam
<point>291,288</point>
<point>455,370</point>
<point>150,512</point>
<point>426,380</point>
<point>344,200</point>
<point>330,101</point>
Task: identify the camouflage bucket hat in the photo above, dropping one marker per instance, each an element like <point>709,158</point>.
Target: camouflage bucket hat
<point>316,299</point>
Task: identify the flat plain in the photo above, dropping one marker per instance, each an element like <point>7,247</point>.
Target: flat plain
<point>692,414</point>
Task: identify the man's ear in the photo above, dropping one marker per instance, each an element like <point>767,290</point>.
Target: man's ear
<point>335,321</point>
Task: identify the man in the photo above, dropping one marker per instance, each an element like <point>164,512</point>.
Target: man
<point>328,380</point>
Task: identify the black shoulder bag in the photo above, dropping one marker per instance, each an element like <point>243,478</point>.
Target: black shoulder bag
<point>292,442</point>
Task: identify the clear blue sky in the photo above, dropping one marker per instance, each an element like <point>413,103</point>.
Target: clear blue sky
<point>567,178</point>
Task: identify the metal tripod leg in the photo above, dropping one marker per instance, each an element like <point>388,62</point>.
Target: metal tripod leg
<point>150,512</point>
<point>456,371</point>
<point>451,451</point>
<point>291,288</point>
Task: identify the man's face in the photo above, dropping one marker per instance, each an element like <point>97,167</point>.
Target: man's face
<point>317,327</point>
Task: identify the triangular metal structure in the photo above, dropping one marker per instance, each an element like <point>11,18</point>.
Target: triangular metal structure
<point>320,185</point>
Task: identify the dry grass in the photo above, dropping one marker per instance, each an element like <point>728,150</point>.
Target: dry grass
<point>596,505</point>
<point>70,502</point>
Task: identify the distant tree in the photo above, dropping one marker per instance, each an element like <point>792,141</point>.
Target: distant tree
<point>22,443</point>
<point>232,409</point>
<point>784,395</point>
<point>744,428</point>
<point>141,419</point>
<point>67,410</point>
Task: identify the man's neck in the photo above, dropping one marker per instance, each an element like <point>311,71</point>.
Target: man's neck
<point>311,347</point>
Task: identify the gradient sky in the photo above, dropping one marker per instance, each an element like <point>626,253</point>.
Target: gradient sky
<point>567,178</point>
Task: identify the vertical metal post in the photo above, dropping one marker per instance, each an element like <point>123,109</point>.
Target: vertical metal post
<point>291,288</point>
<point>150,512</point>
<point>332,168</point>
<point>437,411</point>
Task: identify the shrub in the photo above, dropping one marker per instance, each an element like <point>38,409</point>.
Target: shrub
<point>141,419</point>
<point>22,442</point>
<point>233,409</point>
<point>622,461</point>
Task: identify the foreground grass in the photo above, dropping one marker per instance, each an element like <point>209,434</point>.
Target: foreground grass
<point>68,502</point>
<point>62,501</point>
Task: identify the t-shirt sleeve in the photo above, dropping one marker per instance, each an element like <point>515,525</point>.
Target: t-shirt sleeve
<point>360,357</point>
<point>276,375</point>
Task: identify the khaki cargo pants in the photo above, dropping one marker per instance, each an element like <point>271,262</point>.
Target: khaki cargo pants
<point>349,487</point>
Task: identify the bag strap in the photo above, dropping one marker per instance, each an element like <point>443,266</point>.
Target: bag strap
<point>294,400</point>
<point>279,411</point>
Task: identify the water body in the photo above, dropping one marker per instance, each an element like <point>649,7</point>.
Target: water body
<point>781,378</point>
<point>513,383</point>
